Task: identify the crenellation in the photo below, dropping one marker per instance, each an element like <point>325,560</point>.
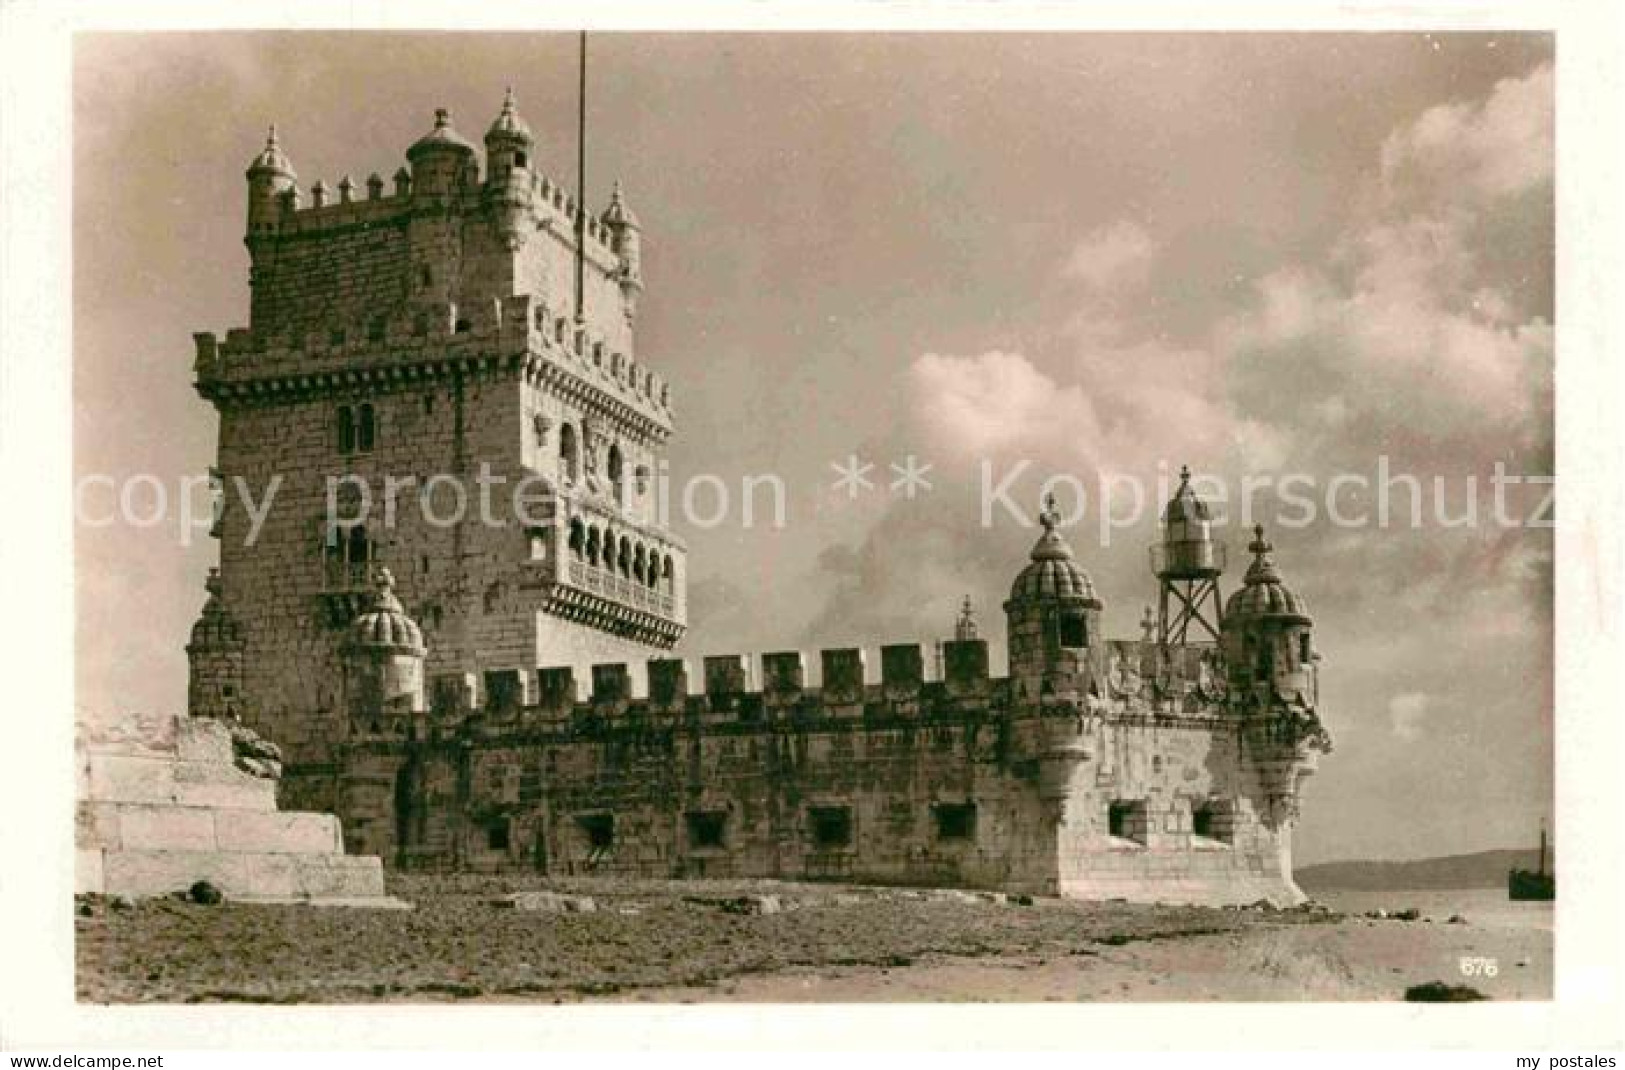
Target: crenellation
<point>784,674</point>
<point>844,674</point>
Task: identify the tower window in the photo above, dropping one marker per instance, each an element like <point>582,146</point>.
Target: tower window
<point>1074,629</point>
<point>365,428</point>
<point>1202,822</point>
<point>497,834</point>
<point>349,554</point>
<point>706,828</point>
<point>831,826</point>
<point>426,276</point>
<point>1306,652</point>
<point>569,455</point>
<point>346,421</point>
<point>955,821</point>
<point>1213,820</point>
<point>464,325</point>
<point>1126,819</point>
<point>617,473</point>
<point>519,160</point>
<point>599,830</point>
<point>375,329</point>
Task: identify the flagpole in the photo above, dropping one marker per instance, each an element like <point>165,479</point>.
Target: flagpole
<point>581,185</point>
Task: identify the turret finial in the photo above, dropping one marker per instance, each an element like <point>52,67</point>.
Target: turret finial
<point>1260,545</point>
<point>1049,515</point>
<point>965,626</point>
<point>442,118</point>
<point>1184,473</point>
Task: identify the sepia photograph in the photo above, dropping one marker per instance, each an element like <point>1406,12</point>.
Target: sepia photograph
<point>850,516</point>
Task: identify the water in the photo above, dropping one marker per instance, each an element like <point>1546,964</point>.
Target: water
<point>1480,906</point>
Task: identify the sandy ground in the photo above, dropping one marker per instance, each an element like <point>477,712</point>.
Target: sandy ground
<point>682,942</point>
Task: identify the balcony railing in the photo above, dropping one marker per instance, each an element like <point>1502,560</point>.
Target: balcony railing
<point>623,589</point>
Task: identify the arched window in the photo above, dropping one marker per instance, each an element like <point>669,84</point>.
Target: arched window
<point>346,430</point>
<point>637,564</point>
<point>617,474</point>
<point>349,556</point>
<point>578,537</point>
<point>569,456</point>
<point>592,545</point>
<point>366,429</point>
<point>669,581</point>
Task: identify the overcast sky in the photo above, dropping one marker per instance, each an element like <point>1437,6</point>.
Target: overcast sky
<point>1105,254</point>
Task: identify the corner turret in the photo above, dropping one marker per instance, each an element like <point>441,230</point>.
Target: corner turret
<point>383,657</point>
<point>1268,634</point>
<point>508,185</point>
<point>443,163</point>
<point>626,240</point>
<point>1053,617</point>
<point>269,176</point>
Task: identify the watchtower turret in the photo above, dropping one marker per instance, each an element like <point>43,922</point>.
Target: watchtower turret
<point>442,161</point>
<point>1053,617</point>
<point>1268,642</point>
<point>383,656</point>
<point>270,176</point>
<point>1187,563</point>
<point>626,239</point>
<point>508,169</point>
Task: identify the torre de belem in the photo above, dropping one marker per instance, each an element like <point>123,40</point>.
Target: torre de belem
<point>425,681</point>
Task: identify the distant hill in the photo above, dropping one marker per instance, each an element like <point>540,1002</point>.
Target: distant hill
<point>1486,869</point>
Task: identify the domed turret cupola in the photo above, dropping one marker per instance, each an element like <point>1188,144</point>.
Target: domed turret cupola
<point>214,658</point>
<point>508,142</point>
<point>1268,632</point>
<point>442,161</point>
<point>626,238</point>
<point>1053,616</point>
<point>269,176</point>
<point>383,655</point>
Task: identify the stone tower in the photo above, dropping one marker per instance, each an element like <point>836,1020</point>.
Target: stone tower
<point>418,387</point>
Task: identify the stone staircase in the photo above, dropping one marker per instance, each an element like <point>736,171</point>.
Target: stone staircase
<point>162,803</point>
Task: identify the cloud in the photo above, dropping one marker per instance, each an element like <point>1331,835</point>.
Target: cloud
<point>996,404</point>
<point>1421,329</point>
<point>1407,713</point>
<point>1496,147</point>
<point>1114,257</point>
